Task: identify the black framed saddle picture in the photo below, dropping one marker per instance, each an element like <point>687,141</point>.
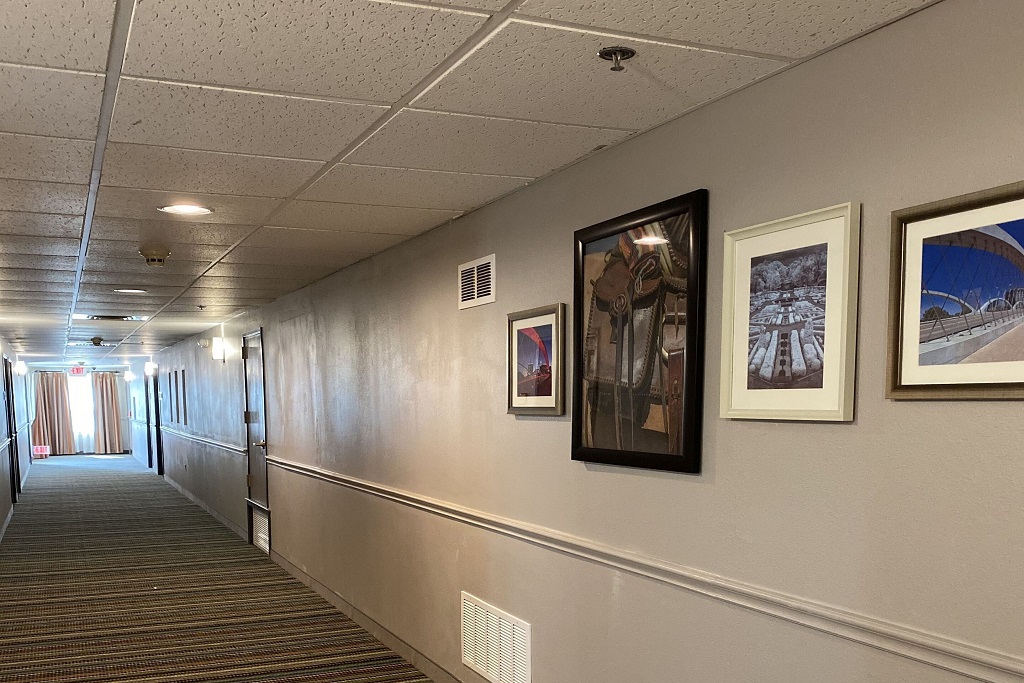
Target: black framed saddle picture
<point>638,337</point>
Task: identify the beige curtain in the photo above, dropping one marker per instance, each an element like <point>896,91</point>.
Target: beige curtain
<point>52,424</point>
<point>108,412</point>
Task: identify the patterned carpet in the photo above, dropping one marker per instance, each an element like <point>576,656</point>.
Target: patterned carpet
<point>109,574</point>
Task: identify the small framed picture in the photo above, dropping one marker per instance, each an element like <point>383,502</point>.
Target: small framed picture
<point>956,308</point>
<point>638,330</point>
<point>536,357</point>
<point>789,318</point>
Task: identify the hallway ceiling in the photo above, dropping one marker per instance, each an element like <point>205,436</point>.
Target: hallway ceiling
<point>319,133</point>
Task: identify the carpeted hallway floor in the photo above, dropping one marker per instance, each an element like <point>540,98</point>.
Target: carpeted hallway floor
<point>109,574</point>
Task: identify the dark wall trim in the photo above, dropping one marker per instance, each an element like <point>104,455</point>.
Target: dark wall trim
<point>203,440</point>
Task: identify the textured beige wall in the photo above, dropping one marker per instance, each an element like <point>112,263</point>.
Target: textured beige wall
<point>910,515</point>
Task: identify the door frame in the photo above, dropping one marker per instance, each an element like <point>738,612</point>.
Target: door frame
<point>252,504</point>
<point>149,423</point>
<point>12,430</point>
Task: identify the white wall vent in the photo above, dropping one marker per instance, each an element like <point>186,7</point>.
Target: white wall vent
<point>261,530</point>
<point>494,644</point>
<point>476,282</point>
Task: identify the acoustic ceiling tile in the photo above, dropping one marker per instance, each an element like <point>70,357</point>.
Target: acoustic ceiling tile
<point>217,119</point>
<point>39,224</point>
<point>475,144</point>
<point>85,300</point>
<point>35,286</point>
<point>38,262</point>
<point>794,28</point>
<point>119,202</point>
<point>63,33</point>
<point>129,267</point>
<point>141,231</point>
<point>409,188</point>
<point>25,274</point>
<point>30,157</point>
<point>130,250</point>
<point>25,195</point>
<point>336,259</point>
<point>490,5</point>
<point>201,293</point>
<point>47,297</point>
<point>358,243</point>
<point>121,280</point>
<point>40,246</point>
<point>305,274</point>
<point>279,286</point>
<point>179,170</point>
<point>352,48</point>
<point>548,74</point>
<point>48,102</point>
<point>360,218</point>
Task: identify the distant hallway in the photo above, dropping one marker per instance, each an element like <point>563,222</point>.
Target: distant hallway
<point>108,574</point>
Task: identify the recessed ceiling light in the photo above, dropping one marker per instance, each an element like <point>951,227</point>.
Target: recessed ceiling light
<point>650,240</point>
<point>131,291</point>
<point>186,209</point>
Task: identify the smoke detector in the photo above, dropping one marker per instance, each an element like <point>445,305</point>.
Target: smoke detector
<point>97,341</point>
<point>155,256</point>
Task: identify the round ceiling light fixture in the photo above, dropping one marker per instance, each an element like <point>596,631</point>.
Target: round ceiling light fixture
<point>185,209</point>
<point>616,55</point>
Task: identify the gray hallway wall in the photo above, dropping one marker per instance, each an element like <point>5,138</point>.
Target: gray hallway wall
<point>909,517</point>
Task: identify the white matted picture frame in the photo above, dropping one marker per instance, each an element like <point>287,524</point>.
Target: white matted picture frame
<point>789,316</point>
<point>536,361</point>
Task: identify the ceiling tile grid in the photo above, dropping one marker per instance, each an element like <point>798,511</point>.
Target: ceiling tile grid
<point>373,51</point>
<point>322,133</point>
<point>791,28</point>
<point>542,73</point>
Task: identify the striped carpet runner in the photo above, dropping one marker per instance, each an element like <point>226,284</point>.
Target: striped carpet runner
<point>108,574</point>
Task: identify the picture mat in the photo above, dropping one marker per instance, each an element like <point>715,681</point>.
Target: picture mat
<point>556,362</point>
<point>911,372</point>
<point>831,231</point>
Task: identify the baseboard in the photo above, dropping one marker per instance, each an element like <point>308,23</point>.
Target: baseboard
<point>244,533</point>
<point>429,667</point>
<point>7,522</point>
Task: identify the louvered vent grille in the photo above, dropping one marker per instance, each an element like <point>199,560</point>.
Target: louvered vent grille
<point>494,644</point>
<point>261,530</point>
<point>476,282</point>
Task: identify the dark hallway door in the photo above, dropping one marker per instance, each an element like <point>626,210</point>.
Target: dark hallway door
<point>256,440</point>
<point>11,430</point>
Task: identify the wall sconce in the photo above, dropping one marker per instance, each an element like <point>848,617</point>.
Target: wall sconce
<point>217,350</point>
<point>129,376</point>
<point>150,369</point>
<point>20,368</point>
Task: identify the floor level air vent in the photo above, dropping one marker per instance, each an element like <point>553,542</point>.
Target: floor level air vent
<point>261,530</point>
<point>476,282</point>
<point>494,644</point>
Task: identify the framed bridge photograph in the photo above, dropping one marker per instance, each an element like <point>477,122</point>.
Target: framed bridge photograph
<point>789,317</point>
<point>956,312</point>
<point>638,331</point>
<point>536,355</point>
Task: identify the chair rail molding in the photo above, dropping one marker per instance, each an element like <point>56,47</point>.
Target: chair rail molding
<point>203,440</point>
<point>968,659</point>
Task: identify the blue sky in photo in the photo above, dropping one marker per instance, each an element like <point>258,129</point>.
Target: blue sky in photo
<point>973,275</point>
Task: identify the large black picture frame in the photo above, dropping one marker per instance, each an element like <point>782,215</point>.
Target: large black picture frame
<point>631,292</point>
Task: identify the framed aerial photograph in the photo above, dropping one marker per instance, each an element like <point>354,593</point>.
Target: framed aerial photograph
<point>789,317</point>
<point>536,356</point>
<point>638,337</point>
<point>956,309</point>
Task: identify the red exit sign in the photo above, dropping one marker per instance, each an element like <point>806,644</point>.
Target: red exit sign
<point>77,370</point>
